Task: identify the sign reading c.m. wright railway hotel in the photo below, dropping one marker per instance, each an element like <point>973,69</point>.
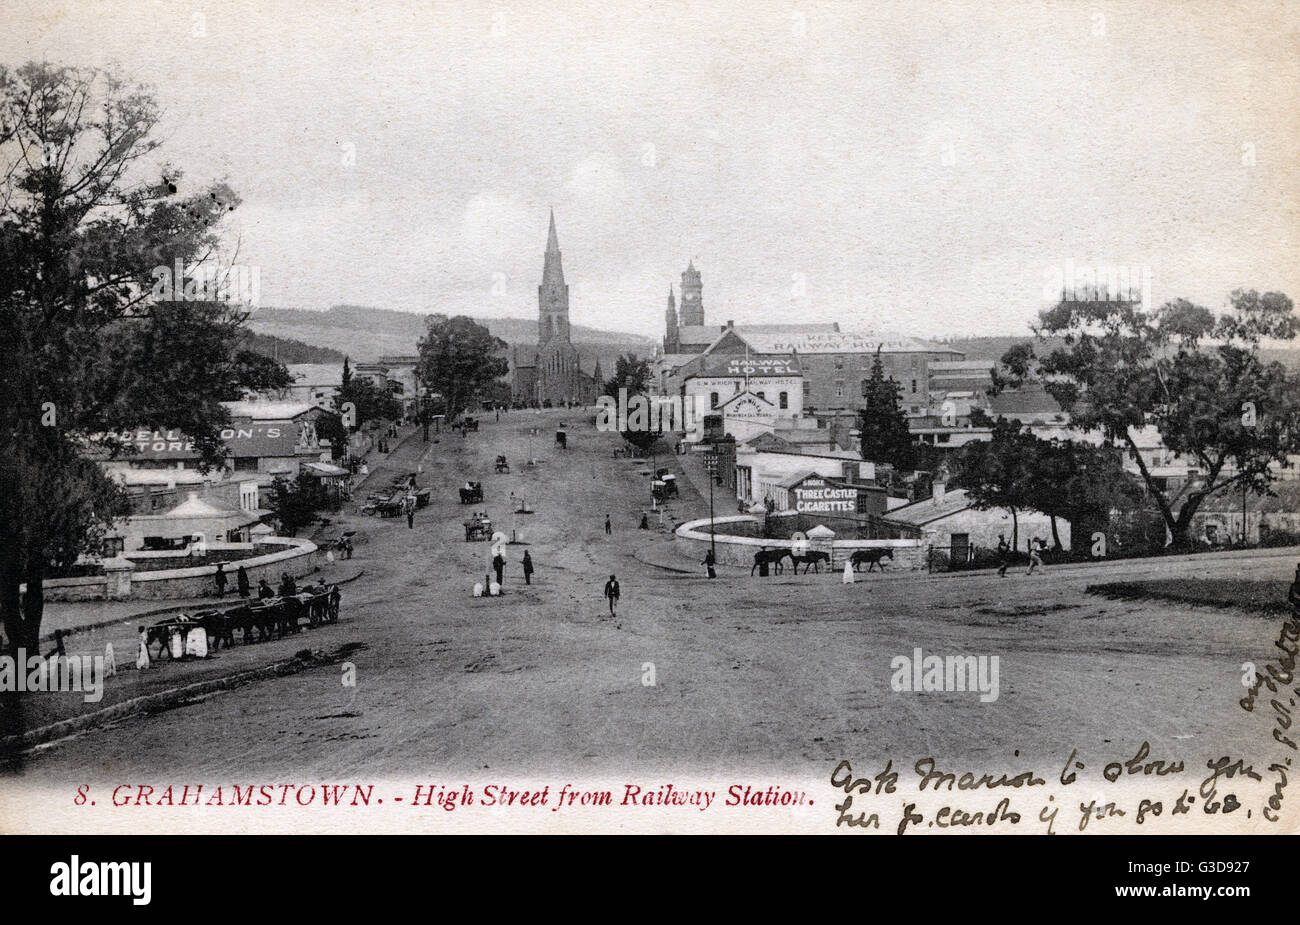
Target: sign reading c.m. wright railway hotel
<point>690,416</point>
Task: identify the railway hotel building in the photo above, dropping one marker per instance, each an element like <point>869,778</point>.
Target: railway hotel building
<point>835,365</point>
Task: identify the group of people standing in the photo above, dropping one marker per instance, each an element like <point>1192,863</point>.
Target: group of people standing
<point>244,587</point>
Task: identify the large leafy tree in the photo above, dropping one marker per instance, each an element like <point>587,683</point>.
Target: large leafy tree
<point>881,422</point>
<point>86,218</point>
<point>1196,377</point>
<point>257,372</point>
<point>996,472</point>
<point>459,359</point>
<point>1077,482</point>
<point>370,402</point>
<point>629,373</point>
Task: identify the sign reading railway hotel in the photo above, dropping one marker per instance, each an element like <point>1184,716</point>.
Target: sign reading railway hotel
<point>815,495</point>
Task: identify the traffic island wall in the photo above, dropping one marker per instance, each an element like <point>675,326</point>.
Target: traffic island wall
<point>692,541</point>
<point>298,557</point>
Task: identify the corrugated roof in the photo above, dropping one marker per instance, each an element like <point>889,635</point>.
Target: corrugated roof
<point>838,342</point>
<point>790,481</point>
<point>268,410</point>
<point>924,512</point>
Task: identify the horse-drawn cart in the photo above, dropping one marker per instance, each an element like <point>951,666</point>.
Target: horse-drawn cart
<point>478,528</point>
<point>471,493</point>
<point>502,464</point>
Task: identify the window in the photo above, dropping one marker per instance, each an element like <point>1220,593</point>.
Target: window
<point>913,386</point>
<point>784,399</point>
<point>245,463</point>
<point>713,399</point>
<point>763,395</point>
<point>839,388</point>
<point>807,388</point>
<point>864,387</point>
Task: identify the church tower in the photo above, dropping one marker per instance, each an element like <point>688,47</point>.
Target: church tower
<point>552,294</point>
<point>692,311</point>
<point>671,342</point>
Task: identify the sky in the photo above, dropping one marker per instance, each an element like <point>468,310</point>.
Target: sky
<point>927,168</point>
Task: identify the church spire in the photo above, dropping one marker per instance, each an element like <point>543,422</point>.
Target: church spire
<point>553,293</point>
<point>552,242</point>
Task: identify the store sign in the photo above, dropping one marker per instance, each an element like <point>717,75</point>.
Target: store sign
<point>276,439</point>
<point>818,496</point>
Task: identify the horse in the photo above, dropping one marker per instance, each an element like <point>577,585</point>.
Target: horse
<point>873,557</point>
<point>814,558</point>
<point>771,557</point>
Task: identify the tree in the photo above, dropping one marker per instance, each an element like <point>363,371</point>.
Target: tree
<point>258,373</point>
<point>995,472</point>
<point>85,226</point>
<point>329,426</point>
<point>459,359</point>
<point>881,423</point>
<point>629,373</point>
<point>1072,480</point>
<point>1197,378</point>
<point>297,502</point>
<point>369,401</point>
<point>633,375</point>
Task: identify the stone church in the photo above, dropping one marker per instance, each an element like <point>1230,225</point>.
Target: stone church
<point>552,373</point>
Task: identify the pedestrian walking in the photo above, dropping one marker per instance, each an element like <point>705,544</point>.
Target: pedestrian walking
<point>709,563</point>
<point>608,529</point>
<point>1004,555</point>
<point>528,568</point>
<point>611,594</point>
<point>1036,546</point>
<point>221,579</point>
<point>241,581</point>
<point>499,566</point>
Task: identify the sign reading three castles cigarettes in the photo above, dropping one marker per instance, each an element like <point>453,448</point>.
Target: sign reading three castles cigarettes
<point>818,496</point>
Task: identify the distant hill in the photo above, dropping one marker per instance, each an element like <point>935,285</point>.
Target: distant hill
<point>289,351</point>
<point>365,333</point>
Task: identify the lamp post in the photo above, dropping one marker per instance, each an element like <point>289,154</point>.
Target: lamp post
<point>710,466</point>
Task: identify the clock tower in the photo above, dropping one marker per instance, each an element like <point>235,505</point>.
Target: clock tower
<point>691,312</point>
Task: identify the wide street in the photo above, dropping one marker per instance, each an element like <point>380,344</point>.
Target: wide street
<point>788,673</point>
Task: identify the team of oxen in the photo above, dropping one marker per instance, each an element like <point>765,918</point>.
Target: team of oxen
<point>253,621</point>
<point>872,558</point>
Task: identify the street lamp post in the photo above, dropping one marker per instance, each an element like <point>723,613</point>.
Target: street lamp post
<point>711,465</point>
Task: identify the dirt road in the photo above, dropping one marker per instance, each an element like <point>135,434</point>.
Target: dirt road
<point>785,674</point>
